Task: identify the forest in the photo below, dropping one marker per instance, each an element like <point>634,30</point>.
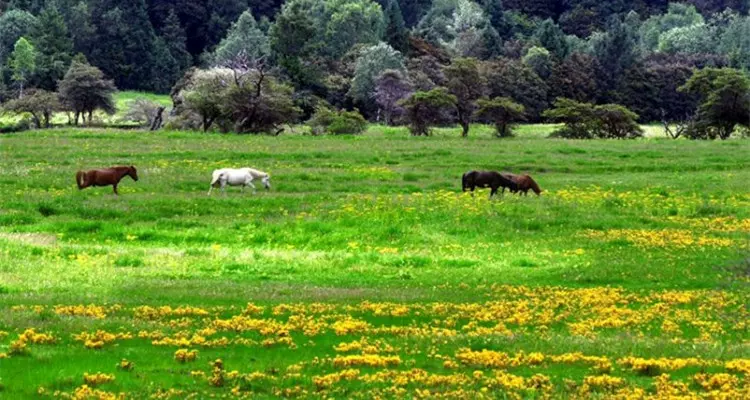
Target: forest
<point>372,57</point>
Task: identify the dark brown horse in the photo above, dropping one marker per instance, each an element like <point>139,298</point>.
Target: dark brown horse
<point>105,177</point>
<point>483,179</point>
<point>524,183</point>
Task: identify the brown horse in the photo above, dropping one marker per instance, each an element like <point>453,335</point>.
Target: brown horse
<point>483,179</point>
<point>105,177</point>
<point>524,183</point>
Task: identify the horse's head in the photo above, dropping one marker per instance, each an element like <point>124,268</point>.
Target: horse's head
<point>133,173</point>
<point>267,182</point>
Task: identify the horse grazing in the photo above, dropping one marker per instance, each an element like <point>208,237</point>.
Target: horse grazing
<point>524,183</point>
<point>105,177</point>
<point>238,177</point>
<point>483,179</point>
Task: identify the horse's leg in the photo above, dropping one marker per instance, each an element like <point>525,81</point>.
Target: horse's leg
<point>114,187</point>
<point>209,189</point>
<point>493,191</point>
<point>252,186</point>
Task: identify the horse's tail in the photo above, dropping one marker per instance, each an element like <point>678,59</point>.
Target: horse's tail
<point>81,179</point>
<point>534,186</point>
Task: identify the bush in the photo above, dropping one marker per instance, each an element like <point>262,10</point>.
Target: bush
<point>143,111</point>
<point>587,121</point>
<point>332,122</point>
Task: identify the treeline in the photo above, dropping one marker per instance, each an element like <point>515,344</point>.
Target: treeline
<point>373,56</point>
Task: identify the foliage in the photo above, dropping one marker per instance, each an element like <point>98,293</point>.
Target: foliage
<point>204,95</point>
<point>84,90</point>
<point>257,103</point>
<point>23,62</point>
<point>55,48</point>
<point>424,109</point>
<point>40,104</point>
<point>587,121</point>
<point>462,27</point>
<point>338,122</point>
<point>540,60</point>
<point>515,80</point>
<point>466,83</point>
<point>391,87</point>
<point>370,64</point>
<point>244,43</point>
<point>502,112</point>
<point>14,24</point>
<point>724,102</point>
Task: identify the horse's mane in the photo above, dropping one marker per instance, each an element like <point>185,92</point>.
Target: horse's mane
<point>532,183</point>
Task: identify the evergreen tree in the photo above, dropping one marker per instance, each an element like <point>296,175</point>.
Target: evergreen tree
<point>496,12</point>
<point>165,70</point>
<point>395,32</point>
<point>55,47</point>
<point>125,41</point>
<point>552,38</point>
<point>81,28</point>
<point>176,41</point>
<point>245,42</point>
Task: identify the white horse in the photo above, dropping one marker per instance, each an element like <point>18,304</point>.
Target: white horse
<point>238,177</point>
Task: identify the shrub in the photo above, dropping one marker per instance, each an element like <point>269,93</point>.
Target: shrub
<point>502,112</point>
<point>143,112</point>
<point>326,120</point>
<point>587,121</point>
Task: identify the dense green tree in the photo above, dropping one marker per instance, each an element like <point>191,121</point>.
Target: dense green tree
<point>176,41</point>
<point>124,42</point>
<point>13,25</point>
<point>501,112</point>
<point>616,51</point>
<point>370,64</point>
<point>396,34</point>
<point>425,109</point>
<point>349,22</point>
<point>679,15</point>
<point>84,90</point>
<point>414,10</point>
<point>495,10</point>
<point>23,62</point>
<point>466,83</point>
<point>735,42</point>
<point>165,70</point>
<point>540,60</point>
<point>55,48</point>
<point>513,79</point>
<point>462,27</point>
<point>724,101</point>
<point>245,43</point>
<point>552,38</point>
<point>81,27</point>
<point>575,78</point>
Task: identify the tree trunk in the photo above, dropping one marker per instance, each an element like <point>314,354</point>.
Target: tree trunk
<point>77,115</point>
<point>464,129</point>
<point>156,124</point>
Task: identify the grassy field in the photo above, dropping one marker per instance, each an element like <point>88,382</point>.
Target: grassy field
<point>366,273</point>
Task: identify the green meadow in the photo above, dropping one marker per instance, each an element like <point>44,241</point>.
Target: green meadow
<point>634,249</point>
